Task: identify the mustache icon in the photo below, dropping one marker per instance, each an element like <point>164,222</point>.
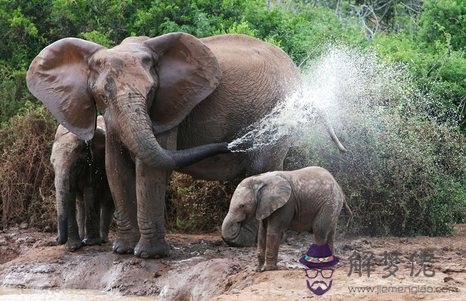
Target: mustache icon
<point>319,291</point>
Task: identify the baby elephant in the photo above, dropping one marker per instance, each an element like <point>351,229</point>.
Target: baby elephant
<point>307,199</point>
<point>81,183</point>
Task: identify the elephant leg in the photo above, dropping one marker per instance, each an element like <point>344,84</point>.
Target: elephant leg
<point>331,238</point>
<point>74,242</point>
<point>92,215</point>
<point>81,217</point>
<point>108,208</point>
<point>122,181</point>
<point>261,244</point>
<point>151,188</point>
<point>320,234</point>
<point>278,222</point>
<point>271,252</point>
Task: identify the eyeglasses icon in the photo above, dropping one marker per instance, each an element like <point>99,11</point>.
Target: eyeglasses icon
<point>313,273</point>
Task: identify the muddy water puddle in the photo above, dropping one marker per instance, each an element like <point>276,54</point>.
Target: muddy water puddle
<point>16,294</point>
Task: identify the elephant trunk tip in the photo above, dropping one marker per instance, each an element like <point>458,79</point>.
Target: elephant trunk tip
<point>62,237</point>
<point>228,234</point>
<point>190,156</point>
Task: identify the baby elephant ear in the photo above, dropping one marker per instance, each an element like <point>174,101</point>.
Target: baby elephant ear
<point>274,194</point>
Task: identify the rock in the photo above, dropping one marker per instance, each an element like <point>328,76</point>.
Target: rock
<point>24,225</point>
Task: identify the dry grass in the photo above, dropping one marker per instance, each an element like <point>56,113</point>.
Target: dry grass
<point>26,187</point>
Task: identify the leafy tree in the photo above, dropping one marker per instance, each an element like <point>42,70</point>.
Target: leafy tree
<point>444,20</point>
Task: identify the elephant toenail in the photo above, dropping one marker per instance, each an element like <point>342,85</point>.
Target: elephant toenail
<point>118,250</point>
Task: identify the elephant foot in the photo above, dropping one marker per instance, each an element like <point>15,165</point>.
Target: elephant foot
<point>73,245</point>
<point>147,249</point>
<point>61,240</point>
<point>88,241</point>
<point>121,246</point>
<point>124,246</point>
<point>270,268</point>
<point>105,239</point>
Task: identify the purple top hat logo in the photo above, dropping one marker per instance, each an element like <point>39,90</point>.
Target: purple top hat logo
<point>319,257</point>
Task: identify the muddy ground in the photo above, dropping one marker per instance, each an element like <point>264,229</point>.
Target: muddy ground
<point>203,267</point>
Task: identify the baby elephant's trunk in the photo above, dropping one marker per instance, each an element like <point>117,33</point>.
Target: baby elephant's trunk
<point>230,228</point>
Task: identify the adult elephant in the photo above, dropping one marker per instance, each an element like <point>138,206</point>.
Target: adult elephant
<point>169,103</point>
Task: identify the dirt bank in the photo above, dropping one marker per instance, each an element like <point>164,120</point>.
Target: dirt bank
<point>202,267</point>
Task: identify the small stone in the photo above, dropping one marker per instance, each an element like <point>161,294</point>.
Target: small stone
<point>24,225</point>
<point>446,279</point>
<point>157,274</point>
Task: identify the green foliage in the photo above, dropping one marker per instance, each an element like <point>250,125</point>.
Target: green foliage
<point>401,176</point>
<point>443,20</point>
<point>99,38</point>
<point>14,95</point>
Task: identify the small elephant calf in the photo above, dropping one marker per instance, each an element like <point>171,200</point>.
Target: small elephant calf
<point>81,183</point>
<point>307,199</point>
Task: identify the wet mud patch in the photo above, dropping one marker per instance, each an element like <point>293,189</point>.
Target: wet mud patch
<point>203,267</point>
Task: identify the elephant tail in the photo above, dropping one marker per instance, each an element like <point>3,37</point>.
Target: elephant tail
<point>328,126</point>
<point>349,212</point>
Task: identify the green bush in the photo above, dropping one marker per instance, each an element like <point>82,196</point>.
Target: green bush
<point>404,172</point>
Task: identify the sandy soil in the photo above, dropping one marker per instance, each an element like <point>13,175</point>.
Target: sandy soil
<point>202,267</point>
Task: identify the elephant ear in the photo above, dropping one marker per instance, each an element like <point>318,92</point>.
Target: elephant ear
<point>188,72</point>
<point>274,193</point>
<point>58,78</point>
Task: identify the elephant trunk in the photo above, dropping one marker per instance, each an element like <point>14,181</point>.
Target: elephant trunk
<point>138,136</point>
<point>230,228</point>
<point>328,126</point>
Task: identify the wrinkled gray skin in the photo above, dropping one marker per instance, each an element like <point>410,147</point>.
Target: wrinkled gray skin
<point>307,199</point>
<point>84,203</point>
<point>170,103</point>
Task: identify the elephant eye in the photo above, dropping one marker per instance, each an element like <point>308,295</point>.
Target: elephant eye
<point>241,206</point>
<point>104,98</point>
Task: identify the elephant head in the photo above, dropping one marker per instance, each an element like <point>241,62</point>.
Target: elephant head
<point>143,87</point>
<point>257,197</point>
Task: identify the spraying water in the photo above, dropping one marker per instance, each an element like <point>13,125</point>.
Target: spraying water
<point>405,153</point>
<point>340,78</point>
